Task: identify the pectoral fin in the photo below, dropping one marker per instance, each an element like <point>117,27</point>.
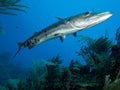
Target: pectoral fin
<point>62,38</point>
<point>63,21</point>
<point>75,34</point>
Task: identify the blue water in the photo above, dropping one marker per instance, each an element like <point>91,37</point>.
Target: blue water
<point>42,13</point>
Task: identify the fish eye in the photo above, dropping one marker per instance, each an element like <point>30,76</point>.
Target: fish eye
<point>87,13</point>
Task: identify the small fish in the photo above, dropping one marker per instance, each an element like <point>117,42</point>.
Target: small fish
<point>17,27</point>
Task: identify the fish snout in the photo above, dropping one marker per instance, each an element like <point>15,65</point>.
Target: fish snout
<point>105,15</point>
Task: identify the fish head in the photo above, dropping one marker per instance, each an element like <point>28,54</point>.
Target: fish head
<point>89,19</point>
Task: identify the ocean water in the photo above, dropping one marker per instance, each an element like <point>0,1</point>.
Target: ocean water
<point>42,13</point>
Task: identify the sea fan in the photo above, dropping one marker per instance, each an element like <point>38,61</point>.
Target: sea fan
<point>6,6</point>
<point>96,53</point>
<point>99,45</point>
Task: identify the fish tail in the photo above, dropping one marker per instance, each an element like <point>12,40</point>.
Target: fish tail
<point>20,46</point>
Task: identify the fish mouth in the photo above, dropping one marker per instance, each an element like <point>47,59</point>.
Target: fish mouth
<point>100,17</point>
<point>105,15</point>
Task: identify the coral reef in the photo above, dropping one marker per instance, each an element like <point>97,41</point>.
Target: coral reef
<point>6,6</point>
<point>51,75</point>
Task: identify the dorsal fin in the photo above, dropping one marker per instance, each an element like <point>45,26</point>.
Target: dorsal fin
<point>35,33</point>
<point>59,18</point>
<point>62,21</point>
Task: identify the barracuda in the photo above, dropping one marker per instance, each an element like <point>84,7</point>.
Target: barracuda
<point>63,27</point>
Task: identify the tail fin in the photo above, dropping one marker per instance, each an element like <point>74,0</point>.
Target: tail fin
<point>20,46</point>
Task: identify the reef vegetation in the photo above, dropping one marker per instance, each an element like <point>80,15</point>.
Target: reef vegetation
<point>9,6</point>
<point>10,69</point>
<point>101,71</point>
